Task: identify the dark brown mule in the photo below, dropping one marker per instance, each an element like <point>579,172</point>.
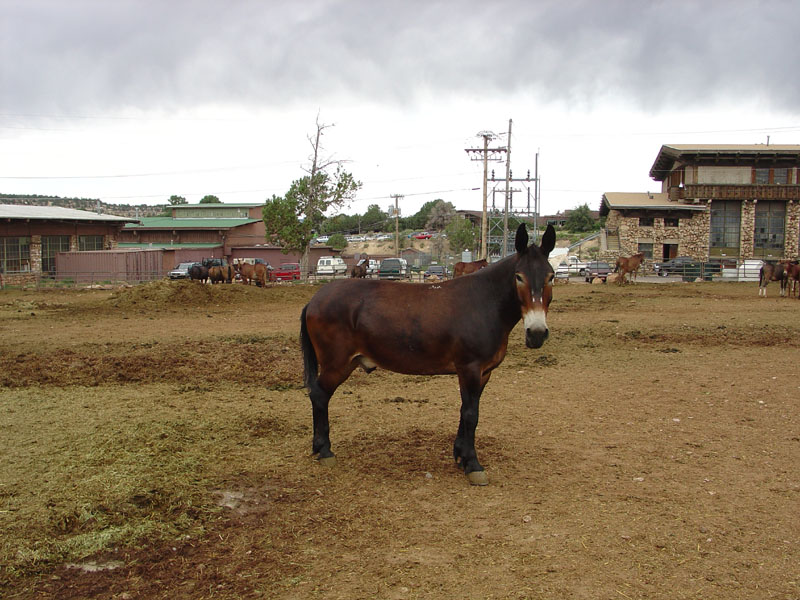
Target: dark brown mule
<point>628,265</point>
<point>457,327</point>
<point>359,270</point>
<point>772,272</point>
<point>198,273</point>
<point>465,268</point>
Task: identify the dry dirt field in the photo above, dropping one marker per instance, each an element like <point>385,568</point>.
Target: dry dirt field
<point>156,444</point>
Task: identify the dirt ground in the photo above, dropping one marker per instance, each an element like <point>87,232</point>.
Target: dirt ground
<point>156,444</point>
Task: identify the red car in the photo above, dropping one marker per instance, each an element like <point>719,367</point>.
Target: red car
<point>423,236</point>
<point>287,272</point>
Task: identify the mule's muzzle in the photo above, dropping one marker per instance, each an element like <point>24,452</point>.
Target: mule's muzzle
<point>534,338</point>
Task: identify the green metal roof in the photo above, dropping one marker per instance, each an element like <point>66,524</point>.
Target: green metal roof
<point>170,223</point>
<point>168,245</point>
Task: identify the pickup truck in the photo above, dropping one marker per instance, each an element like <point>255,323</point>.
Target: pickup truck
<point>574,265</point>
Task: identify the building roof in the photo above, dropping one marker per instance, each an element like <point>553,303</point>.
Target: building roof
<point>726,154</point>
<point>646,200</point>
<point>56,213</point>
<point>170,223</point>
<point>166,245</point>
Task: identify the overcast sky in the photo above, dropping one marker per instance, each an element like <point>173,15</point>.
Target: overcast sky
<point>131,101</point>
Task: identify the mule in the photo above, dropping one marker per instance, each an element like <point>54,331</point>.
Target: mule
<point>465,268</point>
<point>198,273</point>
<point>772,272</point>
<point>460,327</point>
<point>793,278</point>
<point>256,273</point>
<point>628,265</point>
<point>221,274</point>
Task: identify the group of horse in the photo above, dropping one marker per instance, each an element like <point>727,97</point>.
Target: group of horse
<point>787,272</point>
<point>359,271</point>
<point>227,273</point>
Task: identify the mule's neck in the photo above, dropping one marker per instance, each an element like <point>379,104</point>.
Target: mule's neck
<point>500,292</point>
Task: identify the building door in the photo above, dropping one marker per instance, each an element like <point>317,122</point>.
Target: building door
<point>670,251</point>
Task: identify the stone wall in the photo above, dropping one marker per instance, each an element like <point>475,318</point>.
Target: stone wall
<point>693,233</point>
<point>792,241</point>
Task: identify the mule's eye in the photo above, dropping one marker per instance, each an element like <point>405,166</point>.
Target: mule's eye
<point>520,279</point>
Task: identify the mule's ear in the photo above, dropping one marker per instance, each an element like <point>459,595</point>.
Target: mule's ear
<point>521,240</point>
<point>548,241</point>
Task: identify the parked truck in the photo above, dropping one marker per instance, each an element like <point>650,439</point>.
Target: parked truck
<point>575,265</point>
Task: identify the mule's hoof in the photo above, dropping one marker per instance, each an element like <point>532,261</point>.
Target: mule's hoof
<point>327,461</point>
<point>478,478</point>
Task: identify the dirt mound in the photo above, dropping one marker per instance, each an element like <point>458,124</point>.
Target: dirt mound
<point>183,293</point>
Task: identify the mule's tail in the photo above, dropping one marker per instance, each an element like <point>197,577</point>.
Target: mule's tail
<point>310,364</point>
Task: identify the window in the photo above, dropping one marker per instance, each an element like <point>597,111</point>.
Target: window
<point>90,242</point>
<point>770,223</point>
<point>51,245</point>
<point>726,216</point>
<point>15,254</point>
<point>671,221</point>
<point>780,176</point>
<point>646,249</point>
<point>645,221</point>
<point>761,176</point>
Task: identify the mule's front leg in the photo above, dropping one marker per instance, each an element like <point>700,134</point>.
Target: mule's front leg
<point>464,452</point>
<point>321,443</point>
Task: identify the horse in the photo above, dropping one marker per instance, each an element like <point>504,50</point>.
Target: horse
<point>628,265</point>
<point>460,327</point>
<point>198,273</point>
<point>793,278</point>
<point>260,274</point>
<point>248,273</point>
<point>772,272</point>
<point>465,268</point>
<point>222,274</point>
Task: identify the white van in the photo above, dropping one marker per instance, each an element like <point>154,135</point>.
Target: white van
<point>331,266</point>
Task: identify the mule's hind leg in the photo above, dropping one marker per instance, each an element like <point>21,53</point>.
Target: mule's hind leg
<point>320,394</point>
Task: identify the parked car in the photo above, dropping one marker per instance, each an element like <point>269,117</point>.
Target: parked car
<point>562,271</point>
<point>439,271</point>
<point>323,239</point>
<point>673,266</point>
<point>287,272</point>
<point>597,268</point>
<point>331,266</point>
<point>423,235</point>
<point>393,268</point>
<point>181,271</point>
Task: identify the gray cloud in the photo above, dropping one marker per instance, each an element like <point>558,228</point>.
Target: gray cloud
<point>88,57</point>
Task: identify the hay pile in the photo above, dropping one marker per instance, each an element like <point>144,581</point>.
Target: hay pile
<point>183,293</point>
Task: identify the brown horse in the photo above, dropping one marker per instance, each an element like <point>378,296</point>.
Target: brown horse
<point>260,274</point>
<point>457,327</point>
<point>222,274</point>
<point>793,278</point>
<point>256,273</point>
<point>772,272</point>
<point>628,265</point>
<point>465,268</point>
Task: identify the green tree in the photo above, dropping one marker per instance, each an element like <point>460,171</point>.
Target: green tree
<point>440,214</point>
<point>580,220</point>
<point>337,241</point>
<point>374,219</point>
<point>294,217</point>
<point>175,200</point>
<point>210,200</point>
<point>462,235</point>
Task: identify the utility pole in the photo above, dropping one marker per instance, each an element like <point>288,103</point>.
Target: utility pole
<point>485,154</point>
<point>397,222</point>
<point>508,194</point>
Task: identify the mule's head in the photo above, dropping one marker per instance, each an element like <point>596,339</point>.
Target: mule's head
<point>534,283</point>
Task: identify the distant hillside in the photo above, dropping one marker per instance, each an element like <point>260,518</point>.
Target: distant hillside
<point>89,204</point>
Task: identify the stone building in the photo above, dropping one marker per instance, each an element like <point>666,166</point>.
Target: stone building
<point>716,201</point>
